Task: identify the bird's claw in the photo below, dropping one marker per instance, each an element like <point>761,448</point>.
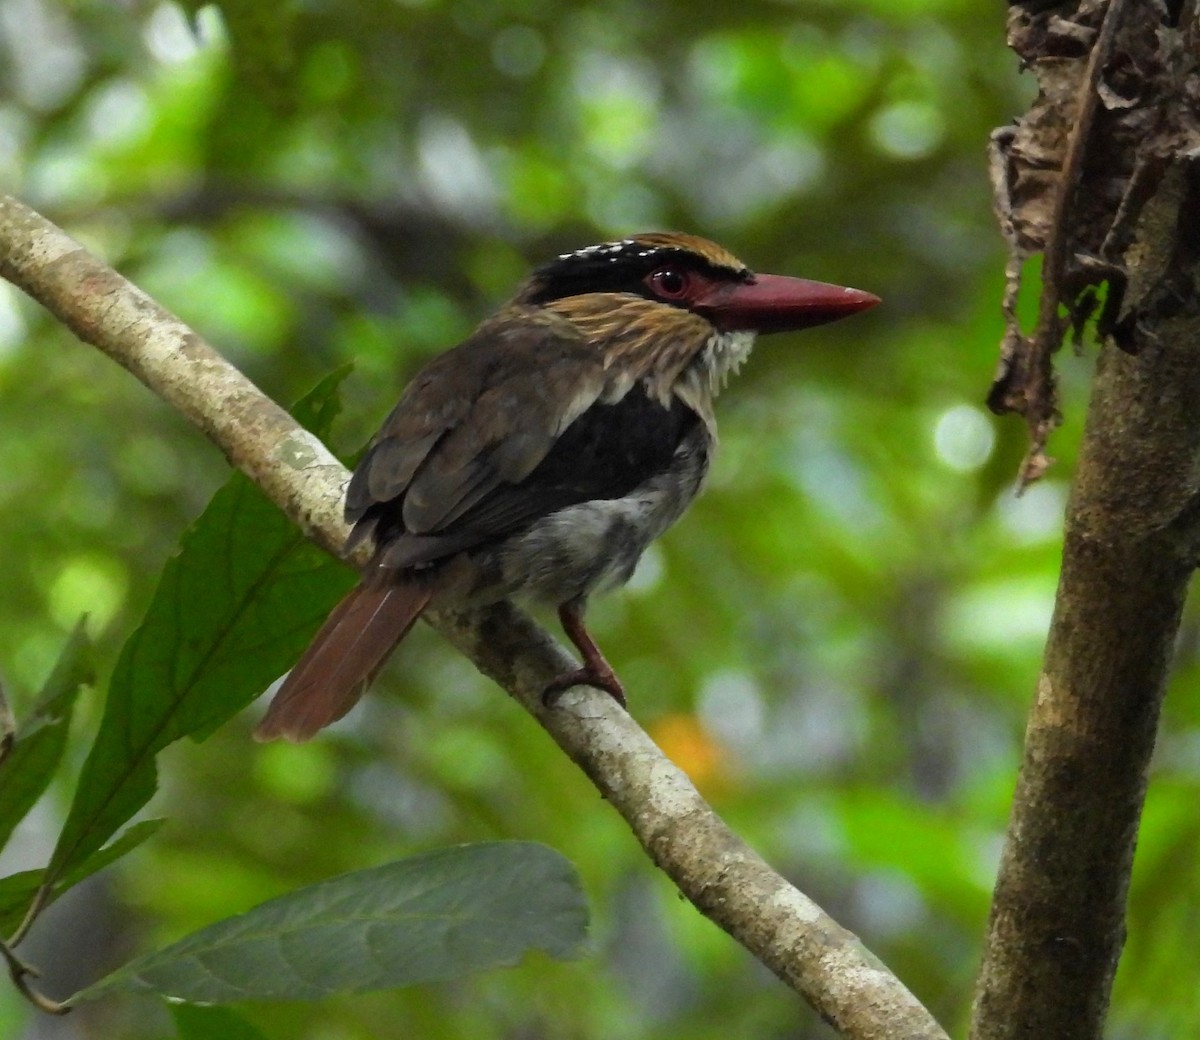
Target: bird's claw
<point>601,680</point>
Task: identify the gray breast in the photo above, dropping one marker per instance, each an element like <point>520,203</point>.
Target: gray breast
<point>595,546</point>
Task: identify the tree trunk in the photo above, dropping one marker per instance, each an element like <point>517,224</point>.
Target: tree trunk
<point>1133,519</point>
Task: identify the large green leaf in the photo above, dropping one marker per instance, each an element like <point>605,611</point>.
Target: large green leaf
<point>431,917</point>
<point>231,612</point>
<point>30,765</point>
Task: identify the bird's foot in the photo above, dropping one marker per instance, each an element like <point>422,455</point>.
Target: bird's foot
<point>596,671</point>
<point>602,679</point>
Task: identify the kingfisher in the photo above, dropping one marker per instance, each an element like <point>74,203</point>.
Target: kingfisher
<point>541,456</point>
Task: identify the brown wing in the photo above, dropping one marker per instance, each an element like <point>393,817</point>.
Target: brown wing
<point>476,419</point>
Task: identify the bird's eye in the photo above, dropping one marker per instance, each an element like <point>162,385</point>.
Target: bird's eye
<point>670,283</point>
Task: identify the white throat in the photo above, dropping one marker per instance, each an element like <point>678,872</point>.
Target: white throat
<point>722,356</point>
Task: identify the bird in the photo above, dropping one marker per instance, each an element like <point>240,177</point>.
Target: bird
<point>541,456</point>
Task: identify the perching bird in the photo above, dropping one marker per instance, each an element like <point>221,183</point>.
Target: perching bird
<point>541,456</point>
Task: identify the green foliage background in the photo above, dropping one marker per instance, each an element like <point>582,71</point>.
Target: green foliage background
<point>839,642</point>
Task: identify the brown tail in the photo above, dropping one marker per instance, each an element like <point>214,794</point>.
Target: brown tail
<point>343,657</point>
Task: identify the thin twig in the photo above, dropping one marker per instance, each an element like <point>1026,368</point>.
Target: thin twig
<point>21,973</point>
<point>41,900</point>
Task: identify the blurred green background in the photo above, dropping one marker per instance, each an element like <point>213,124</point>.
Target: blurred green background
<point>838,643</point>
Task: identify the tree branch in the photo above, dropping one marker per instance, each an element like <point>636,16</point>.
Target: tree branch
<point>720,874</point>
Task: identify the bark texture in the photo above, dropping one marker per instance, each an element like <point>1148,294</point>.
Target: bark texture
<point>1133,518</point>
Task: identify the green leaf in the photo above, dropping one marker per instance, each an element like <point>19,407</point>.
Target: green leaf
<point>31,763</point>
<point>428,918</point>
<point>17,891</point>
<point>212,1023</point>
<point>231,613</point>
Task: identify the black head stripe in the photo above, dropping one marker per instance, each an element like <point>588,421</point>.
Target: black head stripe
<point>616,267</point>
